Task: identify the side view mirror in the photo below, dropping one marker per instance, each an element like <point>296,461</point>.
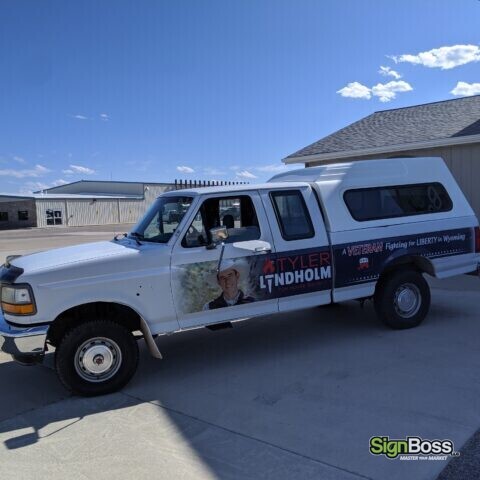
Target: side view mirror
<point>218,235</point>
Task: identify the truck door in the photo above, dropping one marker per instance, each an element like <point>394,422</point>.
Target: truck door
<point>207,291</point>
<point>301,273</point>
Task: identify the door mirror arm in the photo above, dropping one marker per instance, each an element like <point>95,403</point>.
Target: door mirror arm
<point>218,235</point>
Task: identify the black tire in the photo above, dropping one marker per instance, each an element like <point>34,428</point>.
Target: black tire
<point>88,344</point>
<point>396,292</point>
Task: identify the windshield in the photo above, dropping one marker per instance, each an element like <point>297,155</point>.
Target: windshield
<point>161,220</point>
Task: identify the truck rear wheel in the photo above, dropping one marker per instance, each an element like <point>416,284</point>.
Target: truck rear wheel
<point>96,358</point>
<point>402,299</point>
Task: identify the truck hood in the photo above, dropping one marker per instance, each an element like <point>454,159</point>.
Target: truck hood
<point>58,257</point>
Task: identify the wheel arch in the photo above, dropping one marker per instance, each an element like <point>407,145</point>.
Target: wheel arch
<point>117,312</point>
<point>415,262</point>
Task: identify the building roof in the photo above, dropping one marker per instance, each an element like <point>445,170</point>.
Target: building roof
<point>449,122</point>
<point>120,183</point>
<point>84,196</point>
<point>105,187</point>
<point>67,196</point>
<point>8,197</point>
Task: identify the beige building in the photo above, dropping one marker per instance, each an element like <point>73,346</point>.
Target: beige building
<point>81,203</point>
<point>448,129</point>
<point>88,202</point>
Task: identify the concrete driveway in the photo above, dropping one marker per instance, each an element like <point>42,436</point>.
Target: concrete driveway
<point>289,396</point>
<point>28,240</point>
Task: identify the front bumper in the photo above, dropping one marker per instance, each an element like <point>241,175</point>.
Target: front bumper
<point>22,343</point>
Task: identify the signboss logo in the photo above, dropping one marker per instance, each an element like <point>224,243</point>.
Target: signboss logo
<point>410,446</point>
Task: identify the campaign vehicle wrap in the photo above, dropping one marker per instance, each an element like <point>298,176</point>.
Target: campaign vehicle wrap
<point>292,273</point>
<point>363,262</point>
<point>208,285</point>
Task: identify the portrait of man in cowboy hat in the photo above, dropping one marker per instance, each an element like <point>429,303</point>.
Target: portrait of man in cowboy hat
<point>228,279</point>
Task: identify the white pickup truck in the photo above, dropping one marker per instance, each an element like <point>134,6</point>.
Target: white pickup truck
<point>310,237</point>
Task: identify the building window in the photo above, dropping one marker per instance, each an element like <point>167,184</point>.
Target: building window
<point>3,216</point>
<point>54,217</point>
<point>23,215</point>
<point>292,215</point>
<point>397,201</point>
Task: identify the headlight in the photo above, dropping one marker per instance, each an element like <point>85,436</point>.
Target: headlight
<point>18,300</point>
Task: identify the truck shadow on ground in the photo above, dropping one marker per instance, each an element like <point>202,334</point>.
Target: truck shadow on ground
<point>189,357</point>
<point>303,380</point>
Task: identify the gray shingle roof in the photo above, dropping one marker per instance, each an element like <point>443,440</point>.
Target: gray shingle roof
<point>432,121</point>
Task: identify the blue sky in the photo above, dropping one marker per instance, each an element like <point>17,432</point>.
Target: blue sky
<point>136,90</point>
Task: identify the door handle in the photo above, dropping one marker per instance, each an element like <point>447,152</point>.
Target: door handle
<point>263,250</point>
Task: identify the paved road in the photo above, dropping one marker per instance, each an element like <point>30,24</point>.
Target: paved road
<point>291,396</point>
<point>288,396</point>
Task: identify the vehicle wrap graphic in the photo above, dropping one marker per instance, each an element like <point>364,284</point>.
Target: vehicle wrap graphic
<point>363,262</point>
<point>251,279</point>
<point>200,286</point>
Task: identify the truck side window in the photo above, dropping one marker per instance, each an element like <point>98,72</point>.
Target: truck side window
<point>292,214</point>
<point>236,213</point>
<point>397,201</point>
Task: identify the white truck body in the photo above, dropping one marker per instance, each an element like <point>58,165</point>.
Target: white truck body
<point>176,284</point>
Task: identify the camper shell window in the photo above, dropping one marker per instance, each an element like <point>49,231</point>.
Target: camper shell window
<point>378,203</point>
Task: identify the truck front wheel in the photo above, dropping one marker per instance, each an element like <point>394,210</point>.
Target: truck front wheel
<point>402,299</point>
<point>96,357</point>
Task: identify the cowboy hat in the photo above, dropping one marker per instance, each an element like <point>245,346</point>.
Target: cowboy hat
<point>238,264</point>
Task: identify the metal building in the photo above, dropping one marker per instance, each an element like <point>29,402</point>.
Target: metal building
<point>87,202</point>
<point>80,203</point>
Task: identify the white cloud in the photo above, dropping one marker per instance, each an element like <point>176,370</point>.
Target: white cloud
<point>80,117</point>
<point>388,91</point>
<point>60,181</point>
<point>465,89</point>
<point>19,159</point>
<point>76,169</point>
<point>355,90</point>
<point>389,72</point>
<point>443,57</point>
<point>245,174</point>
<point>273,168</point>
<point>213,171</point>
<point>185,169</point>
<point>37,171</point>
<point>29,187</point>
<point>384,91</point>
<point>105,117</point>
<point>40,169</point>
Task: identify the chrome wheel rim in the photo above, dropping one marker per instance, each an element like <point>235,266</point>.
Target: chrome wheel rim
<point>407,300</point>
<point>98,359</point>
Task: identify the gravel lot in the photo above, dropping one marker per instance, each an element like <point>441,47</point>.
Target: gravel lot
<point>287,396</point>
